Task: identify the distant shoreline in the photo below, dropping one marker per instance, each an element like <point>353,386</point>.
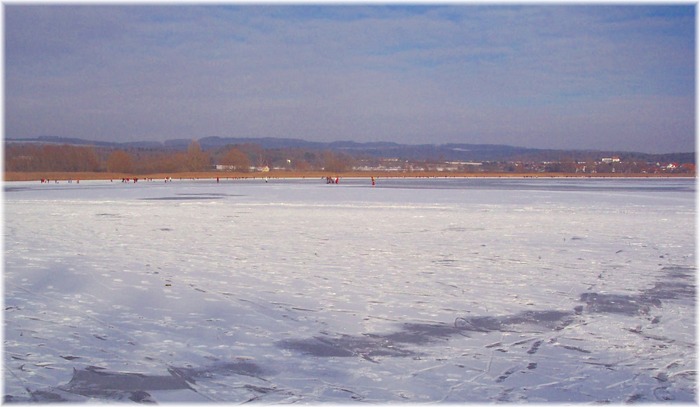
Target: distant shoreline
<point>66,176</point>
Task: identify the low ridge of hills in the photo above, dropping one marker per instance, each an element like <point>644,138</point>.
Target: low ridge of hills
<point>429,152</point>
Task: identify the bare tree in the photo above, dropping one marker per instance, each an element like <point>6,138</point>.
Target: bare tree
<point>197,160</point>
<point>120,161</point>
<point>336,162</point>
<point>236,159</point>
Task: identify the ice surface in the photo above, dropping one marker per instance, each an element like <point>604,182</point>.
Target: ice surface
<point>416,290</point>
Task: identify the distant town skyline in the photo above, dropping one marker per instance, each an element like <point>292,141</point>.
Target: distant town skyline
<point>604,77</point>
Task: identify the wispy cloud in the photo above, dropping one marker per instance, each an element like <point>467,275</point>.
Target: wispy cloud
<point>541,76</point>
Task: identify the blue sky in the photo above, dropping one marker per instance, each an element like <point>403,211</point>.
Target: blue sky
<point>544,76</point>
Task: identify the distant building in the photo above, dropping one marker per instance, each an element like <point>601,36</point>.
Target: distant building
<point>222,167</point>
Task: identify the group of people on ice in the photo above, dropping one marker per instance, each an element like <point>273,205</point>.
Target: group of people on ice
<point>46,181</point>
<point>126,180</point>
<point>331,180</point>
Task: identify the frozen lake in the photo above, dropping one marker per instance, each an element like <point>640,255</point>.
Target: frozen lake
<point>423,290</point>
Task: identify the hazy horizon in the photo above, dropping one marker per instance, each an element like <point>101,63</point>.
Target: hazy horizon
<point>416,144</point>
<point>578,77</point>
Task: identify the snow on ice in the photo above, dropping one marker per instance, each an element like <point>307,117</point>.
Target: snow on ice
<point>415,290</point>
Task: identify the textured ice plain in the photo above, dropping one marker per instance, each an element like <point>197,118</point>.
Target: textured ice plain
<point>297,291</point>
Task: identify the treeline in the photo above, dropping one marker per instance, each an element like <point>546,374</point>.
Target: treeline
<point>46,157</point>
<point>32,157</point>
<point>38,158</point>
